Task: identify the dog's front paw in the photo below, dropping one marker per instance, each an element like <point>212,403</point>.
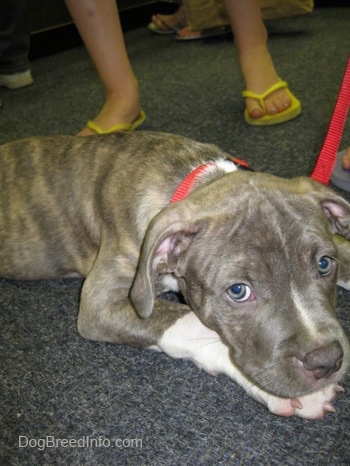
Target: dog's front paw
<point>316,405</point>
<point>312,406</point>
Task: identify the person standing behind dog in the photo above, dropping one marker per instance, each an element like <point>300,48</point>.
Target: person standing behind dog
<point>99,26</point>
<point>14,45</point>
<point>268,100</point>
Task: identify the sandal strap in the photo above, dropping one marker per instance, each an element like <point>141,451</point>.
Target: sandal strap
<point>171,28</point>
<point>119,127</point>
<point>270,90</point>
<point>166,27</point>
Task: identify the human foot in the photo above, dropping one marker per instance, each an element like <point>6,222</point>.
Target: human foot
<point>260,75</point>
<point>341,170</point>
<point>188,34</point>
<point>277,117</point>
<point>275,102</point>
<point>16,80</point>
<point>119,126</point>
<point>346,160</point>
<point>115,111</point>
<point>167,24</point>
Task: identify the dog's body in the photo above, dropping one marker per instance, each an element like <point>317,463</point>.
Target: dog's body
<point>254,256</point>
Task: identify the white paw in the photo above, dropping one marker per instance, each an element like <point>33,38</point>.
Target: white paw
<point>312,406</point>
<point>316,405</point>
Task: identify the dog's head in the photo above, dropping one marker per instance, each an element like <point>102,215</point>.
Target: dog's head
<point>259,265</point>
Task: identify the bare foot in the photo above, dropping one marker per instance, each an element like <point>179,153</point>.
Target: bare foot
<point>188,32</point>
<point>116,109</point>
<point>176,20</point>
<point>346,159</point>
<point>260,74</point>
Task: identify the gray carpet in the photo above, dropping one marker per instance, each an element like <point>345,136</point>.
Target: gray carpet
<point>54,383</point>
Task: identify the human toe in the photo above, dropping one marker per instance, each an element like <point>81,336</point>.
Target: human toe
<point>346,160</point>
<point>277,102</point>
<point>253,108</point>
<point>186,32</point>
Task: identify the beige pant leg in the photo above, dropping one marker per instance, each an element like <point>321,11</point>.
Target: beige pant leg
<point>205,14</point>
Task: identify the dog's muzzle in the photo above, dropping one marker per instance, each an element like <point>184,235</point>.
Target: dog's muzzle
<point>324,361</point>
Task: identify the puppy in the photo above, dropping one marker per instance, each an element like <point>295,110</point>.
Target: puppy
<point>256,257</point>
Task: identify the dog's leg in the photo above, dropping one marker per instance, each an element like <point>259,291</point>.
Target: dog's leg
<point>107,314</point>
<point>114,319</point>
<point>343,246</point>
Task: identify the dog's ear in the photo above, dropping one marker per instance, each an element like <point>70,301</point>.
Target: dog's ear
<point>335,208</point>
<point>337,212</point>
<point>343,247</point>
<point>163,246</point>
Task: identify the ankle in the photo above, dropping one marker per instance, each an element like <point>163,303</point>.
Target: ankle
<point>128,96</point>
<point>258,70</point>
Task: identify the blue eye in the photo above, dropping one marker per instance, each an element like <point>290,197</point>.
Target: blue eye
<point>239,292</point>
<point>325,265</point>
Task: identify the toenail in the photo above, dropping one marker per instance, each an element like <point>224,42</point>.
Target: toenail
<point>256,113</point>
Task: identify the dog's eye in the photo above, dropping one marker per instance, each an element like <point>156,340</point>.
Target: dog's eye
<point>239,292</point>
<point>325,265</point>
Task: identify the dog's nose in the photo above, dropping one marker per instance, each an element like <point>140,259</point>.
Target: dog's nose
<point>324,361</point>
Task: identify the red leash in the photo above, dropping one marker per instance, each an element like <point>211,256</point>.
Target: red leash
<point>327,157</point>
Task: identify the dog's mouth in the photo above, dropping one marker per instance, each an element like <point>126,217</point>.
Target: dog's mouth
<point>316,379</point>
<point>292,377</point>
<point>313,370</point>
<point>300,381</point>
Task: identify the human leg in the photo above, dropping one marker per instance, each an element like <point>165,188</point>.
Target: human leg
<point>14,45</point>
<point>257,67</point>
<point>99,26</point>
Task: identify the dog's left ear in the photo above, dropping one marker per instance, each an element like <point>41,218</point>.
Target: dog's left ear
<point>335,208</point>
<point>337,212</point>
<point>165,243</point>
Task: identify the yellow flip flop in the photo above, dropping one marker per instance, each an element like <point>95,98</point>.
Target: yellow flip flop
<point>291,112</point>
<point>119,127</point>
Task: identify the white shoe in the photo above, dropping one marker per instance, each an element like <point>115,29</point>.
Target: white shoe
<point>16,80</point>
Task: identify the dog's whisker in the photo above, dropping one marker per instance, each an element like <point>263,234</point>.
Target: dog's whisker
<point>211,341</point>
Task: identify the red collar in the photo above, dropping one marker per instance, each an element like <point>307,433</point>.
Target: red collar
<point>188,182</point>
